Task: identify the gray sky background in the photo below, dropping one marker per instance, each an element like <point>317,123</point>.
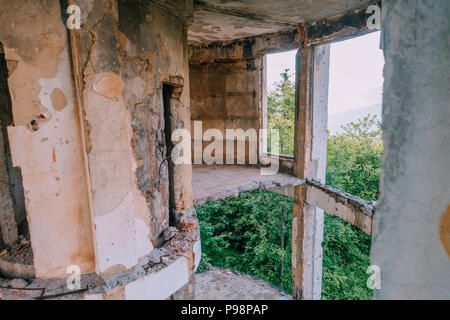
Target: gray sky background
<point>356,72</point>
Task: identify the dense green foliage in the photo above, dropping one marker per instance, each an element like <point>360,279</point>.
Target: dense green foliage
<point>243,234</point>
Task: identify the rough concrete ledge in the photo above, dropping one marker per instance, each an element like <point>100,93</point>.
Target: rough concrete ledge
<point>269,185</point>
<point>243,49</point>
<point>341,204</point>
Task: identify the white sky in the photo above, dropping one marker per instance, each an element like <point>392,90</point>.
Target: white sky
<point>356,72</point>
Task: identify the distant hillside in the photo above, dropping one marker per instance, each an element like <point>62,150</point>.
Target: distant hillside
<point>335,121</point>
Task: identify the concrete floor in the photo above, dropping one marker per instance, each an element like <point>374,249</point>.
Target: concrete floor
<point>218,182</point>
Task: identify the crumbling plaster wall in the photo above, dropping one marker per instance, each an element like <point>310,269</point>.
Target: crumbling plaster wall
<point>226,81</point>
<point>129,49</point>
<point>411,236</point>
<point>45,136</point>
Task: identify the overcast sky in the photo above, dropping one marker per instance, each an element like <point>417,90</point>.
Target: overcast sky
<point>356,72</point>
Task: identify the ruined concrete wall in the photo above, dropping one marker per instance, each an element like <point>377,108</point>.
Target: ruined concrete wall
<point>411,236</point>
<point>129,49</point>
<point>226,95</point>
<point>226,82</point>
<point>45,136</point>
<point>12,186</point>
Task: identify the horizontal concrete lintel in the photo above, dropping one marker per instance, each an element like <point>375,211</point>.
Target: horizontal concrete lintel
<point>340,204</point>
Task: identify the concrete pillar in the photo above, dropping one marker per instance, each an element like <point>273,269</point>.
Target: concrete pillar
<point>310,163</point>
<point>411,236</point>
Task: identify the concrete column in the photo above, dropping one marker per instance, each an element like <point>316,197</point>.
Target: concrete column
<point>411,236</point>
<point>310,163</point>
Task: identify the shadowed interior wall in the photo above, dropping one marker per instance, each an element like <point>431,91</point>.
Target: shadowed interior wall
<point>44,136</point>
<point>14,173</point>
<point>226,95</point>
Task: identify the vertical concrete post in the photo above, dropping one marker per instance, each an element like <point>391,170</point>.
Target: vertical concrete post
<point>310,163</point>
<point>263,105</point>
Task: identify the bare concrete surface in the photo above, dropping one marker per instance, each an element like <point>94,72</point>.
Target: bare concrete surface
<point>218,182</point>
<point>220,284</point>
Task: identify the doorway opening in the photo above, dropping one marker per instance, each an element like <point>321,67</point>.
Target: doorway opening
<point>278,112</point>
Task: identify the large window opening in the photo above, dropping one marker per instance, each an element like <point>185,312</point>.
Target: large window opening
<point>279,100</point>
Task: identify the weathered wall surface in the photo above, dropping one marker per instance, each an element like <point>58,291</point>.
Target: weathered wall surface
<point>411,229</point>
<point>45,137</point>
<point>129,49</point>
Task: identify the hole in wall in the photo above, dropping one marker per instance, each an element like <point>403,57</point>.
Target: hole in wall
<point>170,92</point>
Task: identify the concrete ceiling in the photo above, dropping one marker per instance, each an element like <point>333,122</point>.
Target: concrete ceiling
<point>219,20</point>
